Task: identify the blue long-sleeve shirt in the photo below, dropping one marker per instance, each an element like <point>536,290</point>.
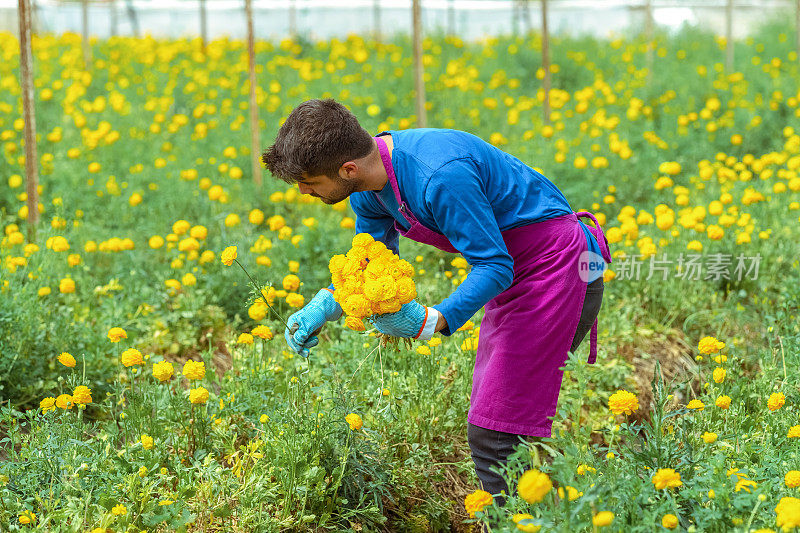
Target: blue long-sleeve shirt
<point>470,191</point>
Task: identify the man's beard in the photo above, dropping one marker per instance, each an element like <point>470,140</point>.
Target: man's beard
<point>344,188</point>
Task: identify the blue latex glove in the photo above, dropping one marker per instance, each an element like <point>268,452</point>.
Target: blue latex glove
<point>413,320</point>
<point>309,320</point>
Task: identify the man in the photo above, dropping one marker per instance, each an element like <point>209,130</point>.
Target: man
<point>536,268</point>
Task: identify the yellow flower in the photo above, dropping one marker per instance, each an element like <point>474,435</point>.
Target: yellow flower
<point>262,332</point>
<point>155,242</point>
<point>64,401</point>
<point>776,401</point>
<point>198,395</point>
<point>571,493</point>
<point>477,501</point>
<point>194,370</point>
<point>295,300</point>
<point>603,518</point>
<point>132,357</point>
<point>354,323</point>
<point>361,240</point>
<point>695,404</point>
<point>66,286</point>
<point>291,282</point>
<point>119,510</point>
<point>794,432</point>
<point>723,402</point>
<point>792,478</point>
<point>623,402</point>
<point>147,441</point>
<point>163,371</point>
<point>669,521</point>
<point>719,375</point>
<point>228,255</point>
<point>115,334</point>
<point>534,485</point>
<point>354,421</point>
<point>666,478</point>
<point>245,338</point>
<point>524,523</point>
<point>709,438</point>
<point>745,484</point>
<point>179,227</point>
<point>82,395</point>
<point>48,404</point>
<point>66,359</point>
<point>788,511</point>
<point>708,345</point>
<point>27,517</point>
<point>232,220</point>
<point>423,350</point>
<point>583,468</point>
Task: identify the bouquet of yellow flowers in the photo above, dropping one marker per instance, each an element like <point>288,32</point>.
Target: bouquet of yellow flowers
<point>370,280</point>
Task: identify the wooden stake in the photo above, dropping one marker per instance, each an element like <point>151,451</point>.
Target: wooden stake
<point>85,41</point>
<point>797,27</point>
<point>26,82</point>
<point>546,62</point>
<point>729,37</point>
<point>203,26</point>
<point>255,148</point>
<point>648,35</point>
<point>419,68</point>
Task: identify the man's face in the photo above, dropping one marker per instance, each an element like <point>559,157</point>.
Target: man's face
<point>330,190</point>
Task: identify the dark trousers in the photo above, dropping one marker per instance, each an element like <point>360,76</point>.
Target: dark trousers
<point>490,447</point>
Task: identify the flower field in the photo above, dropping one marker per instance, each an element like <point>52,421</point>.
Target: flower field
<point>145,381</point>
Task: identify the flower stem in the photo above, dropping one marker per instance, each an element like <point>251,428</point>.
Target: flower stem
<point>258,288</point>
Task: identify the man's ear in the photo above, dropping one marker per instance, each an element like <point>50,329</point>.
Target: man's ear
<point>349,168</point>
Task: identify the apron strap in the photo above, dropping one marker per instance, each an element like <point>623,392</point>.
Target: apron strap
<point>387,165</point>
<point>597,231</point>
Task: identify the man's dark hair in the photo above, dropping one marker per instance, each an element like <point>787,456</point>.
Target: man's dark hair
<point>317,138</point>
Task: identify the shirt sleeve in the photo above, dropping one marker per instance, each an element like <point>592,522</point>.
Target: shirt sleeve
<point>460,208</point>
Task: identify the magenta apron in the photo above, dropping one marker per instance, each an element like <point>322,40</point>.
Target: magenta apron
<point>527,330</point>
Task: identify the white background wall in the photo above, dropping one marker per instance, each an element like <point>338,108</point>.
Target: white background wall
<point>328,18</point>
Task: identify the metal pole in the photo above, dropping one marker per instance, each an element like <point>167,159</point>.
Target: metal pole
<point>376,20</point>
<point>526,17</point>
<point>26,82</point>
<point>254,142</point>
<point>132,17</point>
<point>514,18</point>
<point>451,17</point>
<point>419,68</point>
<point>729,37</point>
<point>112,6</point>
<point>546,62</point>
<point>203,25</point>
<point>292,19</point>
<point>85,41</point>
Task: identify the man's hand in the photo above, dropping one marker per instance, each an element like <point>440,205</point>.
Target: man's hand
<point>413,320</point>
<point>305,324</point>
